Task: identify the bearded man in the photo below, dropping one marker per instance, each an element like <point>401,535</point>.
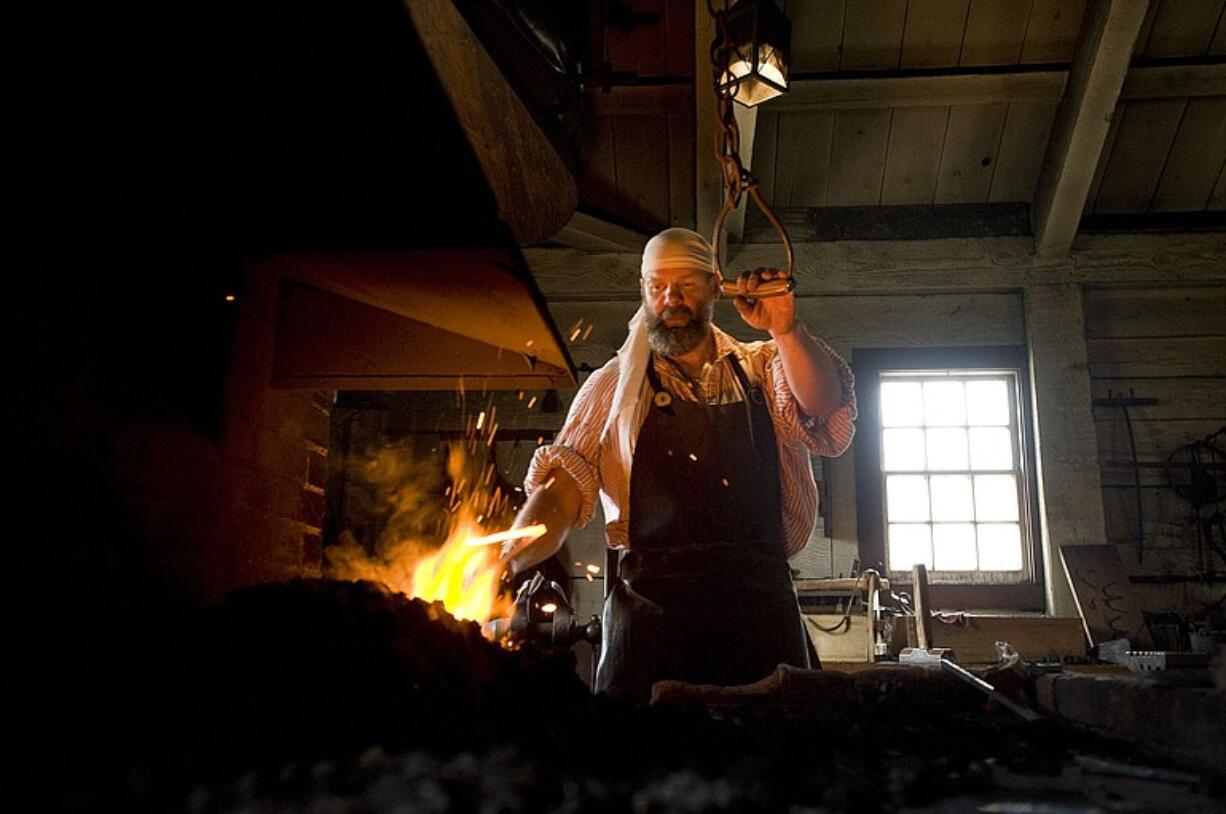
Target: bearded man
<point>698,447</point>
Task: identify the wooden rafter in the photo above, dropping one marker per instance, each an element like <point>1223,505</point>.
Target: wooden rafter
<point>1149,82</point>
<point>1083,118</point>
<point>534,187</point>
<point>593,234</point>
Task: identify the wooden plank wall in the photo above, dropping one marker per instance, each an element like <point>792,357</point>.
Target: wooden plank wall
<point>1162,155</point>
<point>1167,344</point>
<point>637,163</point>
<point>638,156</point>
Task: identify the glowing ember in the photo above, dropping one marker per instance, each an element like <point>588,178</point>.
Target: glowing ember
<point>530,532</point>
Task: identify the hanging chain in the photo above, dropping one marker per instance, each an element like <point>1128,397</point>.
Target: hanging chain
<point>736,179</point>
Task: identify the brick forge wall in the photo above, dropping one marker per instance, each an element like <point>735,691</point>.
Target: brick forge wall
<point>273,459</point>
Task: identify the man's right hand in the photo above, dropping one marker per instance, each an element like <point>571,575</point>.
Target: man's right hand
<point>556,504</point>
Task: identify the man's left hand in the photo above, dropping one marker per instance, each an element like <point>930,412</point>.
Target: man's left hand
<point>776,315</point>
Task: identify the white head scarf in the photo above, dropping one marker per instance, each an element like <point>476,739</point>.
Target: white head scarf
<point>672,248</point>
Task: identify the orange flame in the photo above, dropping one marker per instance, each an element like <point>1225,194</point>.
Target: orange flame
<point>464,576</point>
<point>466,579</point>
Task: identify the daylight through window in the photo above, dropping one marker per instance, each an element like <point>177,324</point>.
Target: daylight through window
<point>952,472</point>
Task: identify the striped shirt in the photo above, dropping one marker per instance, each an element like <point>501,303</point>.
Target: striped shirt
<point>601,470</point>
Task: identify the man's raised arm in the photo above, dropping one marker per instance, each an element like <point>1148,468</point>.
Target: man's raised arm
<point>810,371</point>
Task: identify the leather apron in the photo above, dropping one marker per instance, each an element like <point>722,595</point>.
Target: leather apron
<point>703,593</point>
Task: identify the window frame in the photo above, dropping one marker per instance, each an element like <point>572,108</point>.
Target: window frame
<point>868,364</point>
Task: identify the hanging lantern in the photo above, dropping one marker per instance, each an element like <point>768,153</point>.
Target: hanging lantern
<point>755,64</point>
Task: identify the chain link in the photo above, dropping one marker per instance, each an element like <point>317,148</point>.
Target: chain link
<point>736,179</point>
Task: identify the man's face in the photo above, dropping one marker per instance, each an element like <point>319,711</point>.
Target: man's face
<point>679,303</point>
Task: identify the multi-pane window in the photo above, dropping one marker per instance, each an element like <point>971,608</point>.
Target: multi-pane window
<point>952,469</point>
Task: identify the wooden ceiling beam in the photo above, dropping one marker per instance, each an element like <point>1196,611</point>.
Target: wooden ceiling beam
<point>1100,65</point>
<point>1167,81</point>
<point>534,187</point>
<point>594,234</point>
<point>1149,82</point>
<point>858,268</point>
<point>920,91</point>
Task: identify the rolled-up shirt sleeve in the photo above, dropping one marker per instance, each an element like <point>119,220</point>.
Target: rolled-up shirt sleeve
<point>828,435</point>
<point>576,448</point>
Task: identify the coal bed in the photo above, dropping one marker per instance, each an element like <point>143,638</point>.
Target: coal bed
<point>331,696</point>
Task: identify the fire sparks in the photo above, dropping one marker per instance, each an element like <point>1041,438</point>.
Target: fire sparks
<point>465,571</point>
<point>578,333</point>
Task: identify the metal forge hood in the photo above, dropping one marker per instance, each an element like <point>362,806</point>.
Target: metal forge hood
<point>423,285</point>
<point>414,320</point>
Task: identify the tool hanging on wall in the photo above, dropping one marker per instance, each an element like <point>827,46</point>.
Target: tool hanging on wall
<point>1194,472</point>
<point>1123,403</point>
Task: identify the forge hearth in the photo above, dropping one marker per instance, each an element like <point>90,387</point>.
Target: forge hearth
<point>288,696</point>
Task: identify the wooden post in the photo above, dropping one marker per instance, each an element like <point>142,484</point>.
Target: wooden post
<point>1066,443</point>
<point>919,596</point>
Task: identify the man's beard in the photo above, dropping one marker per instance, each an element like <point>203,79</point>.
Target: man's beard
<point>677,341</point>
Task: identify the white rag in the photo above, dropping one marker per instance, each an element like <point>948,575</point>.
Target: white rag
<point>672,248</point>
